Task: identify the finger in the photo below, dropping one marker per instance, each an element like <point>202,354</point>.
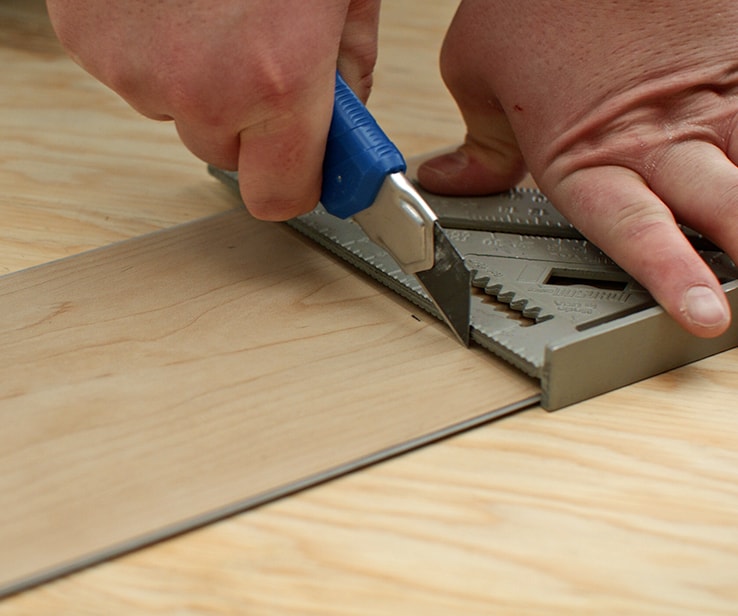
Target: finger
<point>282,149</point>
<point>490,159</point>
<point>484,164</point>
<point>700,185</point>
<point>281,154</point>
<point>216,145</point>
<point>358,49</point>
<point>615,209</point>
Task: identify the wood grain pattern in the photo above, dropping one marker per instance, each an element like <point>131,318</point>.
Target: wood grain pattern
<point>625,504</point>
<point>79,169</point>
<point>166,378</point>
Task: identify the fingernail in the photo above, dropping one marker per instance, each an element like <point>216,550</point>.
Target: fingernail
<point>702,306</point>
<point>448,164</point>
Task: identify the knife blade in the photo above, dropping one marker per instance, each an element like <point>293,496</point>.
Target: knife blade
<point>364,178</point>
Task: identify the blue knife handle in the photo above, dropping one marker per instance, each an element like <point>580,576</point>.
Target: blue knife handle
<point>358,156</point>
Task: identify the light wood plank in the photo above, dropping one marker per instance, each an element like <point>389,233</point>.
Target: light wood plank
<point>170,377</point>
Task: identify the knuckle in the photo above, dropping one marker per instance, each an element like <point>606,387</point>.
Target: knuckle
<point>364,86</point>
<point>279,84</point>
<point>638,221</point>
<point>360,82</point>
<point>266,89</point>
<point>188,95</point>
<point>718,219</point>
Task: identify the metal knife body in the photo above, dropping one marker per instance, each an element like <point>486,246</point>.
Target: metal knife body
<point>364,178</point>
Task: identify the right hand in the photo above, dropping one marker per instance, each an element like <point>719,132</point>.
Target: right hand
<point>248,84</point>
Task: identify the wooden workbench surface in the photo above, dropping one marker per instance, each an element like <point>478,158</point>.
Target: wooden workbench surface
<point>624,504</point>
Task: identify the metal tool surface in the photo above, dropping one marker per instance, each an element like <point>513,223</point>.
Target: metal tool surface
<point>543,298</point>
<point>364,178</point>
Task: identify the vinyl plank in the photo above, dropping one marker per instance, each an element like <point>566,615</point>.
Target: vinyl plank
<point>172,379</point>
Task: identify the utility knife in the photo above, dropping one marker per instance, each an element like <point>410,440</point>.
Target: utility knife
<point>364,179</point>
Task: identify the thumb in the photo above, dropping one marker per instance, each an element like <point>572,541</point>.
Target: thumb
<point>490,159</point>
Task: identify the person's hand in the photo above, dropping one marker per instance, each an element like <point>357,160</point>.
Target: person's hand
<point>626,115</point>
<point>248,83</point>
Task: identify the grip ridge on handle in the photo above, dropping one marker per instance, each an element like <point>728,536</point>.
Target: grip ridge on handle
<point>358,156</point>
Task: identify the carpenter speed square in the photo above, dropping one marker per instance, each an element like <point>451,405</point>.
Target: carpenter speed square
<point>543,298</point>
